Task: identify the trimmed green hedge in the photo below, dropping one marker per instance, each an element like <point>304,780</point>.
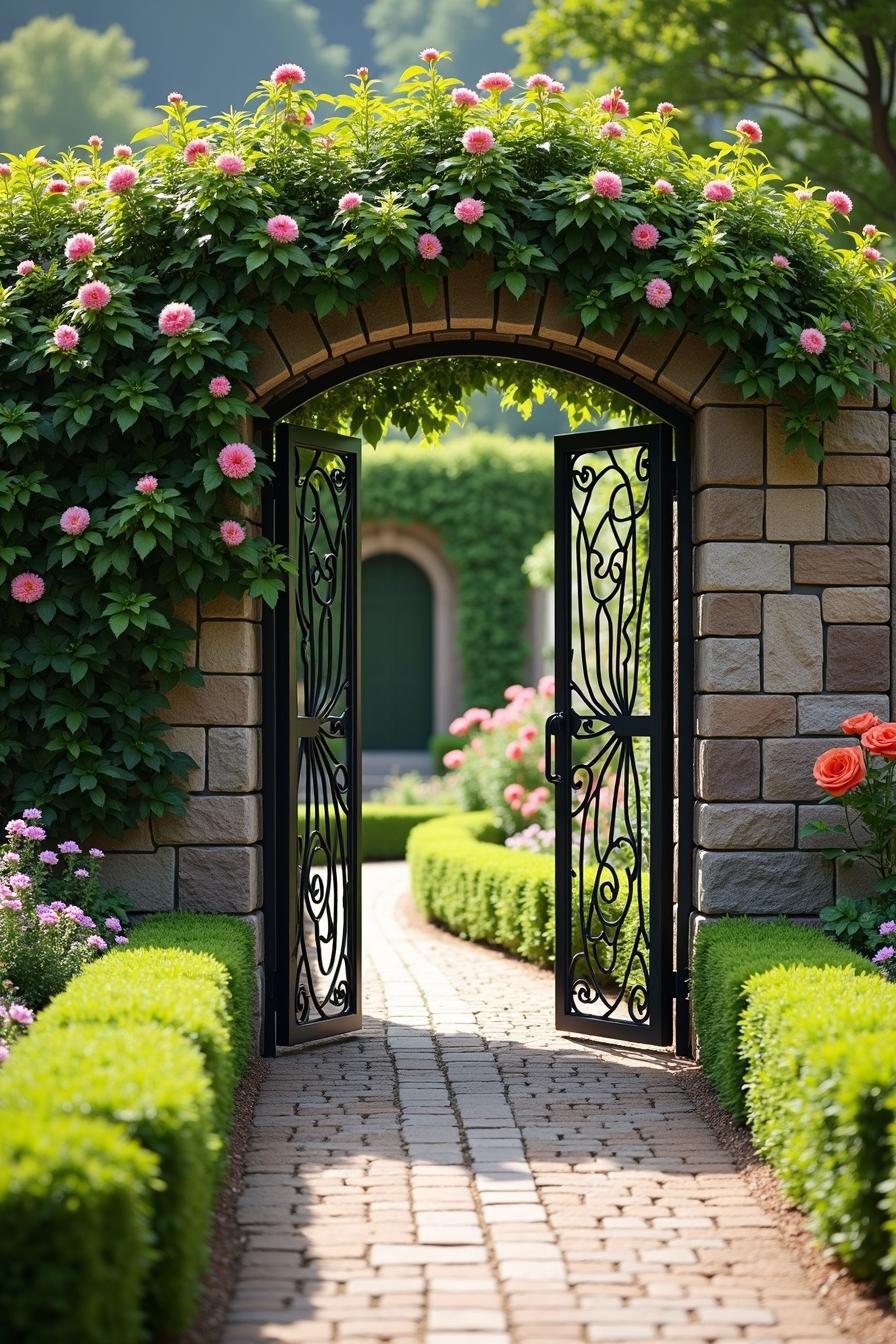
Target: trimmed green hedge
<point>385,827</point>
<point>726,955</point>
<point>75,1198</point>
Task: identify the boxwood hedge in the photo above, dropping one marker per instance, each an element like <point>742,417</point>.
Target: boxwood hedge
<point>385,827</point>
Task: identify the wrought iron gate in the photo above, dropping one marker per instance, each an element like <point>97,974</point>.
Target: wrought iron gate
<point>318,801</point>
<point>609,745</point>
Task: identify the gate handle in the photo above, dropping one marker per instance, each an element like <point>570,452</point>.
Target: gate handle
<point>553,721</point>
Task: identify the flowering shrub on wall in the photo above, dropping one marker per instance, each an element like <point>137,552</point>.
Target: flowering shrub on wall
<point>131,281</point>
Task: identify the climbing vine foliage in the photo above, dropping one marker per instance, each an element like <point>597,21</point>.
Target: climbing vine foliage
<point>132,281</point>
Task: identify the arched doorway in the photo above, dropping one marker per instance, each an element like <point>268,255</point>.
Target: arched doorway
<point>396,655</point>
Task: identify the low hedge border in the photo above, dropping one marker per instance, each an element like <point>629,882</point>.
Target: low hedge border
<point>147,1045</point>
<point>386,827</point>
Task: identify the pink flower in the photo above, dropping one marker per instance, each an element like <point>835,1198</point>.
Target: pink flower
<point>176,318</point>
<point>122,178</point>
<point>457,727</point>
<point>288,74</point>
<point>175,98</point>
<point>663,187</point>
<point>78,205</point>
<point>611,130</point>
<point>803,194</point>
<point>478,140</point>
<point>845,325</point>
<point>657,292</point>
<point>464,98</point>
<point>27,587</point>
<point>25,267</point>
<point>83,180</point>
<point>49,857</point>
<point>69,847</point>
<point>453,759</point>
<point>614,103</point>
<point>94,295</point>
<point>362,72</point>
<point>230,164</point>
<point>236,460</point>
<point>429,246</point>
<point>81,873</point>
<point>80,245</point>
<point>750,130</point>
<point>19,1013</point>
<point>21,881</point>
<point>308,119</point>
<point>145,486</point>
<point>513,751</point>
<point>495,82</point>
<point>5,170</point>
<point>812,340</point>
<point>282,228</point>
<point>95,141</point>
<point>665,109</point>
<point>869,230</point>
<point>557,86</point>
<point>96,941</point>
<point>511,692</point>
<point>232,534</point>
<point>429,55</point>
<point>34,833</point>
<point>719,189</point>
<point>194,150</point>
<point>547,685</point>
<point>350,201</point>
<point>32,814</point>
<point>113,924</point>
<point>42,160</point>
<point>57,187</point>
<point>121,940</point>
<point>782,262</point>
<point>469,210</point>
<point>608,185</point>
<point>645,236</point>
<point>97,854</point>
<point>75,521</point>
<point>538,81</point>
<point>871,253</point>
<point>123,152</point>
<point>839,201</point>
<point>219,386</point>
<point>477,715</point>
<point>514,794</point>
<point>528,732</point>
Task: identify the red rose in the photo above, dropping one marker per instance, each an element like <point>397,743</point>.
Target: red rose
<point>841,769</point>
<point>881,740</point>
<point>859,724</point>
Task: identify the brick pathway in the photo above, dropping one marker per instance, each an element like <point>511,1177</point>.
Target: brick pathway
<point>460,1174</point>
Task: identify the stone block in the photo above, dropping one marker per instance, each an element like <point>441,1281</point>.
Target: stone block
<point>256,924</point>
<point>745,825</point>
<point>192,741</point>
<point>220,878</point>
<point>795,515</point>
<point>139,837</point>
<point>852,606</point>
<point>745,715</point>
<point>787,767</point>
<point>384,314</point>
<point>825,713</point>
<point>148,879</point>
<point>841,564</point>
<point>728,515</point>
<point>858,513</point>
<point>555,323</point>
<point>857,432</point>
<point>298,336</point>
<point>856,470</point>
<point>783,468</point>
<point>719,389</point>
<point>219,700</point>
<point>727,665</point>
<point>227,608</point>
<point>727,770</point>
<point>427,317</point>
<point>470,304</point>
<point>213,819</point>
<point>858,658</point>
<point>646,352</point>
<point>267,367</point>
<point>230,646</point>
<point>729,446</point>
<point>750,566</point>
<point>233,760</point>
<point>517,317</point>
<point>689,367</point>
<point>854,834</point>
<point>342,332</point>
<point>792,643</point>
<point>855,881</point>
<point>750,883</point>
<point>729,614</point>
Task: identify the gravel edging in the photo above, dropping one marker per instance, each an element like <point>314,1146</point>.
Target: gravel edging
<point>226,1249</point>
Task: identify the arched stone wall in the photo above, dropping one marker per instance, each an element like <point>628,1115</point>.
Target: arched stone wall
<point>792,601</point>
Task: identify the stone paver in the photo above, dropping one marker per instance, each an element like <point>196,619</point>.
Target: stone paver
<point>459,1173</point>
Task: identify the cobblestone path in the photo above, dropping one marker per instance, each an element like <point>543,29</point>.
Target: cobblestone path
<point>461,1174</point>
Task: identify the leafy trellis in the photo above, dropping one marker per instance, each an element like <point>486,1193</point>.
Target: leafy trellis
<point>134,281</point>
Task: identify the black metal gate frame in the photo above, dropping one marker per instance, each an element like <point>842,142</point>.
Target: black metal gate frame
<point>273,743</point>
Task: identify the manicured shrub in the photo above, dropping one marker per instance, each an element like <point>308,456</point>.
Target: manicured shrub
<point>726,955</point>
<point>385,828</point>
<point>151,1081</point>
<point>231,942</point>
<point>75,1200</point>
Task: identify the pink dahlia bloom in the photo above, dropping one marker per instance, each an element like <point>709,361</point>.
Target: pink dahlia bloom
<point>57,187</point>
<point>538,81</point>
<point>802,194</point>
<point>719,189</point>
<point>429,55</point>
<point>665,109</point>
<point>146,485</point>
<point>612,130</point>
<point>362,72</point>
<point>645,236</point>
<point>282,228</point>
<point>350,201</point>
<point>464,98</point>
<point>657,292</point>
<point>78,205</point>
<point>288,74</point>
<point>232,534</point>
<point>478,140</point>
<point>457,727</point>
<point>5,170</point>
<point>122,178</point>
<point>123,152</point>
<point>607,184</point>
<point>42,160</point>
<point>469,210</point>
<point>513,751</point>
<point>452,759</point>
<point>663,187</point>
<point>782,262</point>
<point>194,150</point>
<point>869,230</point>
<point>95,294</point>
<point>557,86</point>
<point>175,98</point>
<point>25,267</point>
<point>65,337</point>
<point>871,253</point>
<point>429,246</point>
<point>27,587</point>
<point>495,82</point>
<point>812,340</point>
<point>308,119</point>
<point>219,386</point>
<point>614,103</point>
<point>80,245</point>
<point>750,130</point>
<point>176,318</point>
<point>839,201</point>
<point>95,141</point>
<point>236,461</point>
<point>845,325</point>
<point>49,857</point>
<point>75,521</point>
<point>230,164</point>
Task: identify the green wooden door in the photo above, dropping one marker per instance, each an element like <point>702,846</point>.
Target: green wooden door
<point>396,654</point>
